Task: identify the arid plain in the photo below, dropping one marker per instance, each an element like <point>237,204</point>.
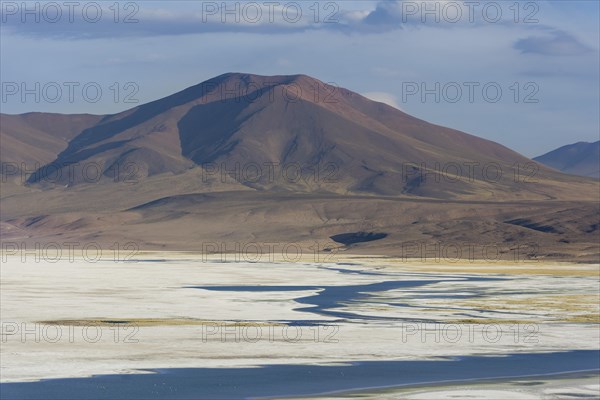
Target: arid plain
<point>160,312</point>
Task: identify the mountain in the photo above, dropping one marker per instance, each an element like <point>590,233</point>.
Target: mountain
<point>269,159</point>
<point>280,132</point>
<point>580,158</point>
<point>38,138</point>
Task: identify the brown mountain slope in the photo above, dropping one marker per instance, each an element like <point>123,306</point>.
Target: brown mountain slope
<point>39,137</point>
<point>424,229</point>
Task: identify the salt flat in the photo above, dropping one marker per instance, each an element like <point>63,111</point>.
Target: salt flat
<point>75,318</point>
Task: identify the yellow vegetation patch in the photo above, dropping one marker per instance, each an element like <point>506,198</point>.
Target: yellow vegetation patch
<point>497,321</point>
<point>583,308</point>
<point>155,322</point>
<point>584,318</point>
<point>478,267</point>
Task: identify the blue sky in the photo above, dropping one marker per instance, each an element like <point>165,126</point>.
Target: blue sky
<point>543,56</point>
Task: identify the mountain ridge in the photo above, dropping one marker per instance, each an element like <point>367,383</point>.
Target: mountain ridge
<point>238,118</point>
<point>240,159</point>
<point>581,158</point>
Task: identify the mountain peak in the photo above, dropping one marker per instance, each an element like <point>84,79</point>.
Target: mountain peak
<point>248,77</point>
<point>261,81</point>
<point>581,158</point>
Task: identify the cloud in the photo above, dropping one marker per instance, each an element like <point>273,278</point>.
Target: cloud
<point>556,43</point>
<point>383,97</point>
<point>148,19</point>
<point>159,18</point>
<point>385,13</point>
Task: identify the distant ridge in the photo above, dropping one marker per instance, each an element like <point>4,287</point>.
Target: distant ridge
<point>582,158</point>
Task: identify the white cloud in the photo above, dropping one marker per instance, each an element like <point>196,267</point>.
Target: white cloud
<point>383,97</point>
<point>558,43</point>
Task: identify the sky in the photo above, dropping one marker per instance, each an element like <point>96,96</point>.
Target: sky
<point>524,74</point>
